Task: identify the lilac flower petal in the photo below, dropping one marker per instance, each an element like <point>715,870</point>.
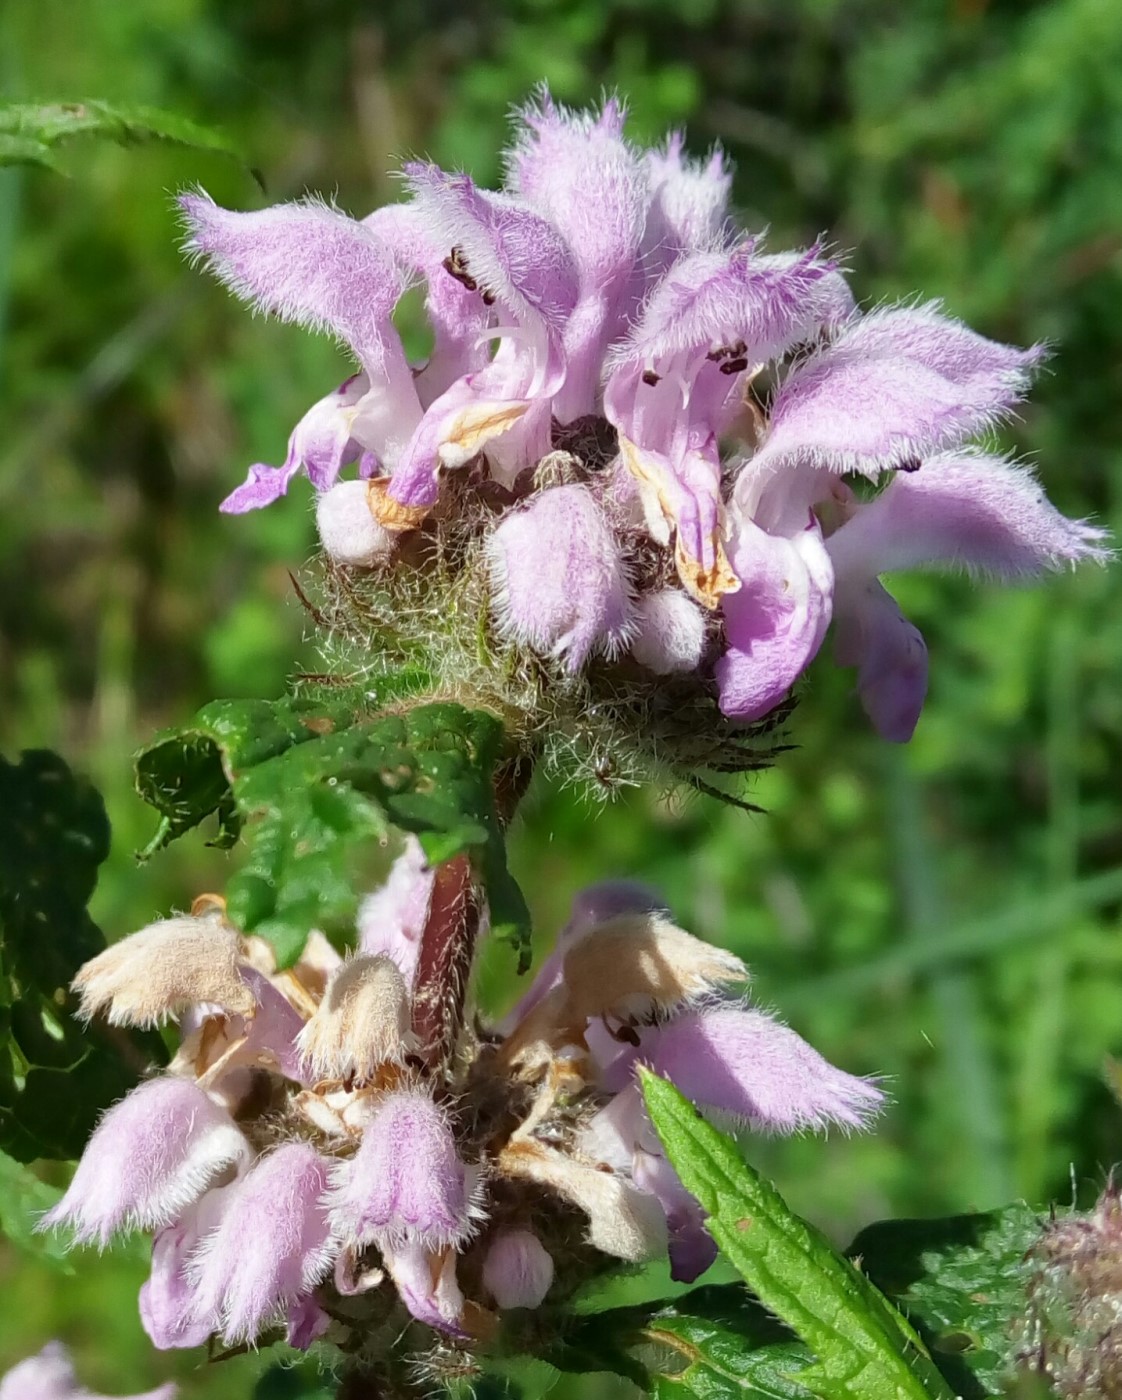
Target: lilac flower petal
<point>515,258</point>
<point>692,1247</point>
<point>271,1246</point>
<point>508,250</point>
<point>471,415</point>
<point>559,579</point>
<point>925,335</point>
<point>517,1270</point>
<point>392,919</point>
<point>894,387</point>
<point>306,263</point>
<point>305,1323</point>
<point>458,317</point>
<point>711,301</point>
<point>776,622</point>
<point>426,1283</point>
<point>576,170</point>
<point>151,1156</point>
<point>689,211</point>
<point>872,634</point>
<point>966,510</point>
<point>405,1181</point>
<point>50,1376</point>
<point>274,1029</point>
<point>751,1067</point>
<point>167,1296</point>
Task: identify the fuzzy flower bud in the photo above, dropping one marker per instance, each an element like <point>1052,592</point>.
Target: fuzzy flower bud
<point>347,529</point>
<point>517,1270</point>
<point>151,1156</point>
<point>362,1021</point>
<point>559,578</point>
<point>669,632</point>
<point>1072,1331</point>
<point>165,968</point>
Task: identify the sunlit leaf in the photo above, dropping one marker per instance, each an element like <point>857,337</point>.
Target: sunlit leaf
<point>864,1348</point>
<point>316,794</point>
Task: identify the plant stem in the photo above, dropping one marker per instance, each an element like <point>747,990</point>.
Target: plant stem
<point>444,962</point>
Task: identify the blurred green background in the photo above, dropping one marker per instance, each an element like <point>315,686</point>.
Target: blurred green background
<point>943,915</point>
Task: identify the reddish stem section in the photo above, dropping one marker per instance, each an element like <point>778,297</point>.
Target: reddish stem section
<point>444,963</point>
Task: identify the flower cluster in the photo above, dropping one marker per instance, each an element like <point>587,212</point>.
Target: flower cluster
<point>50,1376</point>
<point>659,426</point>
<point>326,1157</point>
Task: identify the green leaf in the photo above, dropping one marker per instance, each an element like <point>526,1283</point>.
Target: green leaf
<point>55,1077</point>
<point>31,132</point>
<point>718,1366</point>
<point>315,794</point>
<point>961,1280</point>
<point>714,1342</point>
<point>865,1349</point>
<point>23,1199</point>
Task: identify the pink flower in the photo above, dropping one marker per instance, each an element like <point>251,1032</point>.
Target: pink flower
<point>406,1180</point>
<point>270,1247</point>
<point>151,1156</point>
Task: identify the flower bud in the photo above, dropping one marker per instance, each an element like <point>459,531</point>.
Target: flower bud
<point>347,528</point>
<point>518,1270</point>
<point>669,632</point>
<point>361,1023</point>
<point>560,583</point>
<point>166,967</point>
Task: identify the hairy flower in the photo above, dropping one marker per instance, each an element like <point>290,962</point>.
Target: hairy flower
<point>603,308</point>
<point>362,1021</point>
<point>406,1181</point>
<point>162,970</point>
<point>271,1244</point>
<point>151,1156</point>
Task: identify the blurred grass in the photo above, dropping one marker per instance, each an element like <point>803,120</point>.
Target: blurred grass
<point>945,916</point>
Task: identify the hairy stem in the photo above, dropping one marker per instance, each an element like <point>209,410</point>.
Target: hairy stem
<point>444,963</point>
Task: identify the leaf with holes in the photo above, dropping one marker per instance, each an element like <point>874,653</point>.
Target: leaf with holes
<point>864,1348</point>
<point>315,793</point>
